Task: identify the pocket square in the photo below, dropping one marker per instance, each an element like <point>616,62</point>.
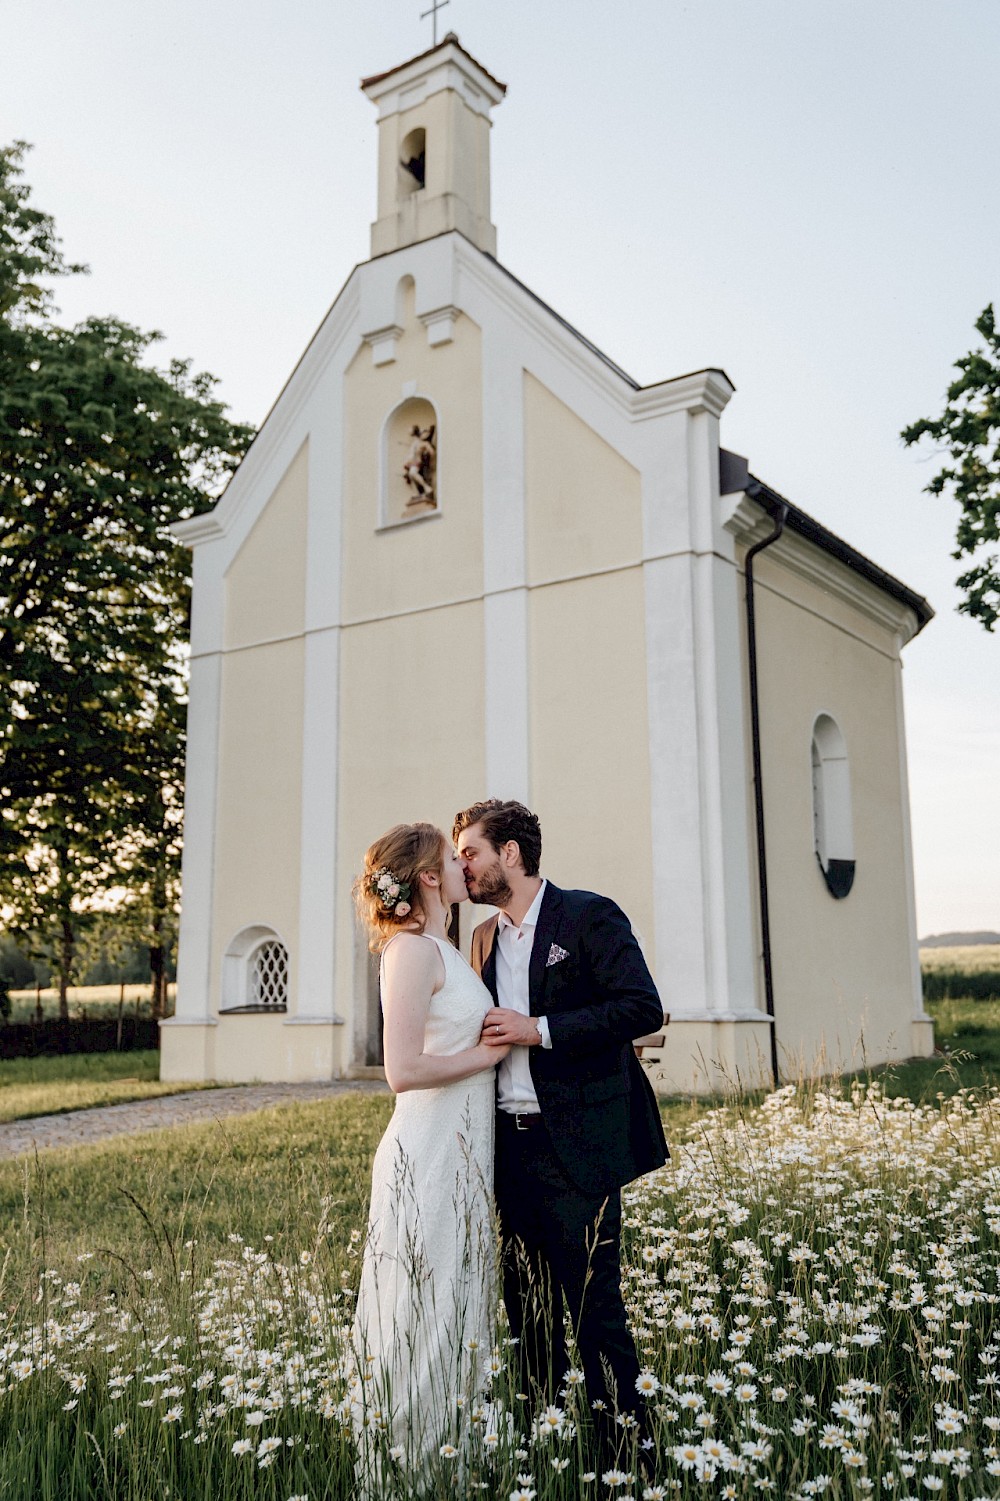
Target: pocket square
<point>556,954</point>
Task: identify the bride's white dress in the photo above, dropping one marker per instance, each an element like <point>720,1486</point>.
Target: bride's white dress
<point>422,1330</point>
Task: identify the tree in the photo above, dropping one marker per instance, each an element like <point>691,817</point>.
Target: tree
<point>969,428</point>
<point>99,453</point>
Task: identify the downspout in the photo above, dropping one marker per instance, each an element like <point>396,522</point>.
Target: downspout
<point>778,516</point>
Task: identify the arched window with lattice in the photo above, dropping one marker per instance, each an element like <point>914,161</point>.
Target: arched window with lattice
<point>255,971</point>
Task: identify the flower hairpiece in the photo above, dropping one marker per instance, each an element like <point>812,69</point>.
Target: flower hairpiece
<point>391,892</point>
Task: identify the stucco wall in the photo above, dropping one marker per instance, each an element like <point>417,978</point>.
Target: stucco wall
<point>430,560</point>
<point>265,583</point>
<point>590,739</point>
<point>842,968</point>
<point>258,838</point>
<point>412,748</point>
<point>257,850</point>
<point>583,500</point>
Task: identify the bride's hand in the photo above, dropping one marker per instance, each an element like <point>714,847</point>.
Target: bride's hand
<point>494,1052</point>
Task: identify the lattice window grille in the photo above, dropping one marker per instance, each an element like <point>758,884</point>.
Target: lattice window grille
<point>269,976</point>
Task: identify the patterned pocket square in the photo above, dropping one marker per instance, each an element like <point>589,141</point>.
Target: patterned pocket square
<point>556,954</point>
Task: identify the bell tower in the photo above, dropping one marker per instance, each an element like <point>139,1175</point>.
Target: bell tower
<point>434,148</point>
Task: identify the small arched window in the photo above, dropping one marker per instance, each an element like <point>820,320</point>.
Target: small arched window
<point>255,971</point>
<point>833,831</point>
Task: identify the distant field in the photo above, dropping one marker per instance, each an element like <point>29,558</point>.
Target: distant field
<point>971,958</point>
<point>87,1000</point>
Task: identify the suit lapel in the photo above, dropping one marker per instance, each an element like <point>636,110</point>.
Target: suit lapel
<point>545,932</point>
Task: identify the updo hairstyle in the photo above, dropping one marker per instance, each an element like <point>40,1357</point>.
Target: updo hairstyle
<point>407,850</point>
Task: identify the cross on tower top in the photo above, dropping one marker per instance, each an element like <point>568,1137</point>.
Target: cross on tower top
<point>436,5</point>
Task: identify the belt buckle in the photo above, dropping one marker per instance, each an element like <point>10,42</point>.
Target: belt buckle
<point>521,1120</point>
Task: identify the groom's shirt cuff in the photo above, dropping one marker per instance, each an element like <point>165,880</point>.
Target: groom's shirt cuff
<point>542,1023</point>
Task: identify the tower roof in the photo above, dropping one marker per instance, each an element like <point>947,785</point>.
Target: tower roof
<point>451,40</point>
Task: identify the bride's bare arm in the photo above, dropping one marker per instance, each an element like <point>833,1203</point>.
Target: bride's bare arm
<point>412,970</point>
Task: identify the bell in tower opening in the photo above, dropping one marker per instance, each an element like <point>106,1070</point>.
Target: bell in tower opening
<point>413,159</point>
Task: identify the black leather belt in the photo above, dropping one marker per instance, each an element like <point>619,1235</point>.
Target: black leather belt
<point>521,1120</point>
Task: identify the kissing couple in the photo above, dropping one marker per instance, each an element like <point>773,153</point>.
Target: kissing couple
<point>515,1080</point>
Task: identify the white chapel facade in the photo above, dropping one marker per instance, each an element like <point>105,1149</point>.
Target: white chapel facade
<point>468,556</point>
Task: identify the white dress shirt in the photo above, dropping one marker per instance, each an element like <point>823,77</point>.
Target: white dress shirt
<point>515,1090</point>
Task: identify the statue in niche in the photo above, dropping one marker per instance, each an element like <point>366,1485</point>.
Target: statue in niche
<point>419,469</point>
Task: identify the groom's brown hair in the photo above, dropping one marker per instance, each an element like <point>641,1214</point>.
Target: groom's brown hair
<point>502,822</point>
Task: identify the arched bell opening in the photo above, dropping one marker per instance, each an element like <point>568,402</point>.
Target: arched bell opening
<point>413,161</point>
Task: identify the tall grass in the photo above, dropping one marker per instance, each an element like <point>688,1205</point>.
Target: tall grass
<point>812,1282</point>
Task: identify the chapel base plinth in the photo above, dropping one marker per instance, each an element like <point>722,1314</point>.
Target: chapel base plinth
<point>249,1048</point>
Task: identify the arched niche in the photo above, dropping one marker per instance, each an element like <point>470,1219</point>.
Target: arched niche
<point>255,971</point>
<point>833,828</point>
<point>409,468</point>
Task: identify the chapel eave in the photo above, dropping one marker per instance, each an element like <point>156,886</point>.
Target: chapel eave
<point>766,504</point>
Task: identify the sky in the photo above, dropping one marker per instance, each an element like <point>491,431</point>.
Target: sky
<point>802,192</point>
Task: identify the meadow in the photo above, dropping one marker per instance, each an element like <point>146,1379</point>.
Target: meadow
<point>970,958</point>
<point>76,1081</point>
<point>86,1000</point>
<point>812,1282</point>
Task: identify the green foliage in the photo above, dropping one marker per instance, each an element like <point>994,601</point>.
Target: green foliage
<point>100,452</point>
<point>969,428</point>
<point>15,966</point>
<point>29,247</point>
<point>956,984</point>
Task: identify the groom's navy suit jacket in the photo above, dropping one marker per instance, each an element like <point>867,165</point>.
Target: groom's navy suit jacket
<point>597,1104</point>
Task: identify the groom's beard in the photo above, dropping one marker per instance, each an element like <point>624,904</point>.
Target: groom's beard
<point>491,889</point>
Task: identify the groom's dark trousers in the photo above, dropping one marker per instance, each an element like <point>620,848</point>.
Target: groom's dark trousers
<point>558,1173</point>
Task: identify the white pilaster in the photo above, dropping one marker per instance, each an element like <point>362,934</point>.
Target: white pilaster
<point>318,900</point>
<point>316,995</point>
<point>909,891</point>
<point>505,604</point>
<point>698,756</point>
<point>194,999</point>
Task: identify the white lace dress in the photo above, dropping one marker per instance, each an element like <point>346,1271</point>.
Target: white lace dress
<point>422,1331</point>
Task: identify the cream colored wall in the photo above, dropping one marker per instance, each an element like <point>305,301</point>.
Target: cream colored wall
<point>583,500</point>
<point>257,850</point>
<point>590,739</point>
<point>412,745</point>
<point>428,561</point>
<point>265,583</point>
<point>842,976</point>
<point>258,840</point>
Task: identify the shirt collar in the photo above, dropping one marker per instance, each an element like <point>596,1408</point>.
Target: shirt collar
<point>530,918</point>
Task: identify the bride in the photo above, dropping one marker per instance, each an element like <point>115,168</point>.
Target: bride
<point>422,1330</point>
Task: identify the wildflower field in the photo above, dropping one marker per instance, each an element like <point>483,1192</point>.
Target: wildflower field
<point>812,1283</point>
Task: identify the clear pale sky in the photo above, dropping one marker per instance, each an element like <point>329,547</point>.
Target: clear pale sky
<point>800,191</point>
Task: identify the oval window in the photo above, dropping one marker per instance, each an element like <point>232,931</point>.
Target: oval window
<point>832,825</point>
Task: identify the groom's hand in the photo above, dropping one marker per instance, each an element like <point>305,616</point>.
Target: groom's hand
<point>503,1028</point>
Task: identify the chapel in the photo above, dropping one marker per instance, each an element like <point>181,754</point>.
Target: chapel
<point>468,556</point>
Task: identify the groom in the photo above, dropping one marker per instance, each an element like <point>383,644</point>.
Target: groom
<point>576,1115</point>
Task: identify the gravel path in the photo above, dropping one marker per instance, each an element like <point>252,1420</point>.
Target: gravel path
<point>81,1127</point>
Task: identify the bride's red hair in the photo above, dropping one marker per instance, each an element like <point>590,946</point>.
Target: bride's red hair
<point>407,850</point>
